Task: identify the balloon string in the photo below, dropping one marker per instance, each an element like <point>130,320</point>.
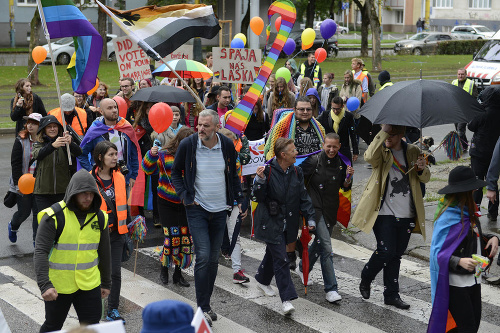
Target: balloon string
<point>297,54</point>
<point>32,69</point>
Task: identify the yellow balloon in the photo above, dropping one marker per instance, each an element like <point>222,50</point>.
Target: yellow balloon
<point>242,37</point>
<point>308,36</point>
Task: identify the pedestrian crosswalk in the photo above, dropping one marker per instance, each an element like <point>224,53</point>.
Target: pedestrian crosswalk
<point>243,308</point>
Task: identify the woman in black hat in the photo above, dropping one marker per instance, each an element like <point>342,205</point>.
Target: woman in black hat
<point>457,236</point>
<point>52,173</point>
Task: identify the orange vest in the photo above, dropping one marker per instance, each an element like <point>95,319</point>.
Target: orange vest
<point>361,77</point>
<point>120,202</point>
<point>74,124</point>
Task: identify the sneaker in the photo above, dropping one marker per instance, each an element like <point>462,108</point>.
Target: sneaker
<point>288,308</point>
<point>114,315</point>
<point>208,318</point>
<point>12,234</point>
<point>226,255</point>
<point>268,291</point>
<point>212,315</point>
<point>240,277</point>
<point>333,296</point>
<point>309,281</point>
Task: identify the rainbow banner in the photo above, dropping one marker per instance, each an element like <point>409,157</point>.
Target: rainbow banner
<point>238,119</point>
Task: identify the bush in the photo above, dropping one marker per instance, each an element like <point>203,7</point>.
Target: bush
<point>468,46</point>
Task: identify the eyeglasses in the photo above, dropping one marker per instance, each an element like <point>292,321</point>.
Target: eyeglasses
<point>128,85</point>
<point>304,109</point>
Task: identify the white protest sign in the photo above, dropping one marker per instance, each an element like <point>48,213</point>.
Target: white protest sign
<point>183,52</point>
<point>236,65</point>
<point>257,157</point>
<point>199,323</point>
<point>132,61</point>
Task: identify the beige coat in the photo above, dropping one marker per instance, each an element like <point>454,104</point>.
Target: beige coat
<point>381,160</point>
<point>357,91</point>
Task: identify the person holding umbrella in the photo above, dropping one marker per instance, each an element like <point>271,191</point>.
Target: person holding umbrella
<point>398,171</point>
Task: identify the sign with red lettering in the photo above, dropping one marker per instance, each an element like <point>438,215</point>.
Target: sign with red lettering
<point>236,65</point>
<point>183,52</point>
<point>132,61</point>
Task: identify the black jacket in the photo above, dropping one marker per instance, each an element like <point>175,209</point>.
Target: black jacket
<point>255,130</point>
<point>346,131</point>
<point>486,133</point>
<point>17,113</point>
<point>287,188</point>
<point>184,170</point>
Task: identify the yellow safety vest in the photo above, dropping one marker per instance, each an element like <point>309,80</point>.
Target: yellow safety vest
<point>73,259</point>
<point>388,84</point>
<point>316,72</point>
<point>468,85</point>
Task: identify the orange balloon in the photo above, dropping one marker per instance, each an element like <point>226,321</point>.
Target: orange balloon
<point>277,23</point>
<point>257,25</point>
<point>122,106</point>
<point>91,91</point>
<point>26,183</point>
<point>39,54</point>
<point>306,47</point>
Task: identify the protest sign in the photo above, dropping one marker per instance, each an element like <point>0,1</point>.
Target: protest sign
<point>132,61</point>
<point>183,52</point>
<point>236,65</point>
<point>257,157</point>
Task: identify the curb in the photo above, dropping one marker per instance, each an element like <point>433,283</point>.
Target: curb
<point>6,131</point>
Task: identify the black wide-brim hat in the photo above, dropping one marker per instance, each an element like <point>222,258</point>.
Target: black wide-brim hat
<point>49,119</point>
<point>462,179</point>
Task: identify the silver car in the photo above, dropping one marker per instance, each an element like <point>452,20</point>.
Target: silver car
<point>421,43</point>
<point>472,32</point>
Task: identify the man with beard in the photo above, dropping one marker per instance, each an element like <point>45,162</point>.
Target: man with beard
<point>223,103</point>
<point>73,255</point>
<point>126,89</point>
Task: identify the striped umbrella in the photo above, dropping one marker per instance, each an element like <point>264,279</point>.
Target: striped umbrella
<point>186,69</point>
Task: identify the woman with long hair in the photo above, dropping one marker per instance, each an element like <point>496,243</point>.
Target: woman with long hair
<point>280,97</point>
<point>456,241</point>
<point>192,112</point>
<point>198,85</point>
<point>95,99</point>
<point>267,91</point>
<point>112,188</point>
<point>25,103</point>
<point>178,246</point>
<point>258,124</point>
<point>304,85</point>
<point>20,163</point>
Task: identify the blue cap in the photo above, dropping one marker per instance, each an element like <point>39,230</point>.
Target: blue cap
<point>167,316</point>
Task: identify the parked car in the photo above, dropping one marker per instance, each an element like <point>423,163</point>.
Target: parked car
<point>331,46</point>
<point>340,29</point>
<point>484,69</point>
<point>472,32</point>
<point>421,43</point>
<point>64,48</point>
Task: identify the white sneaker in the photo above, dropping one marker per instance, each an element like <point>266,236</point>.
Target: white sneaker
<point>288,308</point>
<point>268,290</point>
<point>309,281</point>
<point>333,296</point>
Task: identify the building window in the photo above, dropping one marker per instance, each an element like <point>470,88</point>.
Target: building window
<point>443,4</point>
<point>399,16</point>
<point>26,2</point>
<point>480,4</point>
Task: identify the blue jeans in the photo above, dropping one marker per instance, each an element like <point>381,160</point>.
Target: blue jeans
<point>207,230</point>
<point>322,247</point>
<point>419,29</point>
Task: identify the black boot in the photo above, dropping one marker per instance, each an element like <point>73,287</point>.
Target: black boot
<point>364,288</point>
<point>292,257</point>
<point>164,274</point>
<point>178,278</point>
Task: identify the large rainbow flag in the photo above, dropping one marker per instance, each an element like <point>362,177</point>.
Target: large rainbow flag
<point>165,28</point>
<point>64,19</point>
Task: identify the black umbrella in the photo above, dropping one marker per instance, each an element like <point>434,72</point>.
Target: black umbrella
<point>163,93</point>
<point>421,103</point>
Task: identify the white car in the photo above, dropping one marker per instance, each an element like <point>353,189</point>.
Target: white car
<point>64,48</point>
<point>472,32</point>
<point>340,29</point>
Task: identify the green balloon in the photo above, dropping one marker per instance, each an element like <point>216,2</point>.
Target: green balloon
<point>284,73</point>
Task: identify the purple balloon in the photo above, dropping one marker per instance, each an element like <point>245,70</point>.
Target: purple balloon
<point>328,28</point>
<point>237,43</point>
<point>289,46</point>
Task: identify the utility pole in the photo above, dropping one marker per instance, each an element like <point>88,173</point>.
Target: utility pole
<point>11,21</point>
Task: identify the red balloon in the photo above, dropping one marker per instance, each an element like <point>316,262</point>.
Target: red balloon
<point>320,55</point>
<point>277,23</point>
<point>160,117</point>
<point>122,106</point>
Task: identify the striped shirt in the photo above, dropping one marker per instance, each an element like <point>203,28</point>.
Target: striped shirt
<point>210,182</point>
<point>163,162</point>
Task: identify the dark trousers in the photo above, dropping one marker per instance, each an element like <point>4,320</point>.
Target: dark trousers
<point>392,237</point>
<point>465,307</point>
<point>25,205</point>
<point>480,168</point>
<point>117,242</point>
<point>276,263</point>
<point>46,200</point>
<point>461,129</point>
<point>88,307</point>
<point>207,230</point>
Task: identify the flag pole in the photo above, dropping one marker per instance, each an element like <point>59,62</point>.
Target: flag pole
<point>47,36</point>
<point>148,49</point>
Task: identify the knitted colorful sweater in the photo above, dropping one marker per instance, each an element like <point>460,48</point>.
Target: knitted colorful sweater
<point>162,162</point>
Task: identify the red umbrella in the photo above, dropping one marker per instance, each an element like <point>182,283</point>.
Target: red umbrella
<point>304,239</point>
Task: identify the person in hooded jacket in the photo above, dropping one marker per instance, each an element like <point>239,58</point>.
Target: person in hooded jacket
<point>52,173</point>
<point>385,80</point>
<point>313,96</point>
<point>486,133</point>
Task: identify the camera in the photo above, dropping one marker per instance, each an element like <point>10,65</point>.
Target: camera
<point>123,167</point>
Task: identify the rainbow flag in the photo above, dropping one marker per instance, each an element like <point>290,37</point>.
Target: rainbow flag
<point>64,19</point>
<point>165,28</point>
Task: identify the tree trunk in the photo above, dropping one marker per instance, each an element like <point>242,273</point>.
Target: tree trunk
<point>101,28</point>
<point>375,25</point>
<point>365,23</point>
<point>246,20</point>
<point>36,24</point>
<point>311,6</point>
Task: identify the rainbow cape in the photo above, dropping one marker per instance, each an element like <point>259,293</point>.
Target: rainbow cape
<point>64,19</point>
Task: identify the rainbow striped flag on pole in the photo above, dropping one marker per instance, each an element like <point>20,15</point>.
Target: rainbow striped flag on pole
<point>64,19</point>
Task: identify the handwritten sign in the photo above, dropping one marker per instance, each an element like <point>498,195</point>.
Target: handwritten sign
<point>257,157</point>
<point>236,65</point>
<point>132,61</point>
<point>183,52</point>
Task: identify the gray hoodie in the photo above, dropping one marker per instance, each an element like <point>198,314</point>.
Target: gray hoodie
<point>82,181</point>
